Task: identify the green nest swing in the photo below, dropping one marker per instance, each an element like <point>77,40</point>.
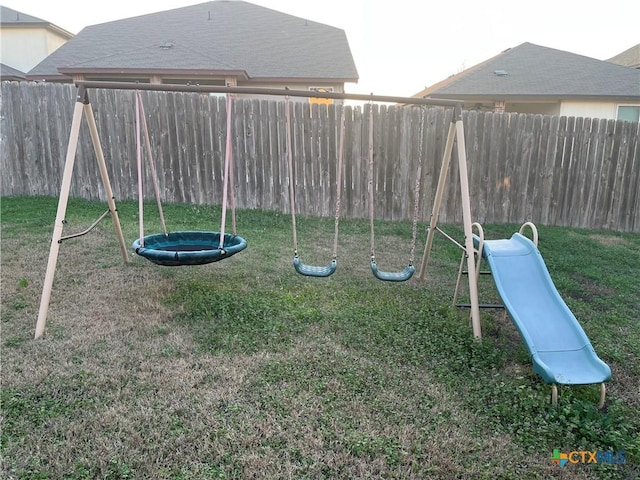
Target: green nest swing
<point>184,247</point>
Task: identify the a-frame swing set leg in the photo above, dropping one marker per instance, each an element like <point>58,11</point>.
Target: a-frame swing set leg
<point>456,130</point>
<point>82,106</point>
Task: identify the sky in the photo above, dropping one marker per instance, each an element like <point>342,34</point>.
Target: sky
<point>402,46</point>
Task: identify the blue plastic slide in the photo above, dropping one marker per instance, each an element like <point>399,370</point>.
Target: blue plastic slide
<point>559,348</point>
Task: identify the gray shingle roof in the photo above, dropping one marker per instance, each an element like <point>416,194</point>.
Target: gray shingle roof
<point>535,71</point>
<point>10,73</point>
<point>209,37</point>
<point>14,18</point>
<point>9,16</point>
<point>628,58</point>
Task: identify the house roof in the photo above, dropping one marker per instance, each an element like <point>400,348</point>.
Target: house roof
<point>9,16</point>
<point>10,73</point>
<point>13,18</point>
<point>208,38</point>
<point>628,58</point>
<point>530,70</point>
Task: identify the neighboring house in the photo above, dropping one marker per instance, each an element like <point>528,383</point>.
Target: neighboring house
<point>214,43</point>
<point>534,79</point>
<point>628,58</point>
<point>10,74</point>
<point>25,40</point>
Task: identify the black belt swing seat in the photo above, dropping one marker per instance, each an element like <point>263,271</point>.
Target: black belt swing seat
<point>185,247</point>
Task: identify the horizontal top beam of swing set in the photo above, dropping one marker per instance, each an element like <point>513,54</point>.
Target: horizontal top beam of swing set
<point>267,91</point>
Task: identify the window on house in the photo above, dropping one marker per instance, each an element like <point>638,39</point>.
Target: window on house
<point>629,113</point>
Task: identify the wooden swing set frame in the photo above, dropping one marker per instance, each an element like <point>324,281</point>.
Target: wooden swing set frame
<point>83,108</point>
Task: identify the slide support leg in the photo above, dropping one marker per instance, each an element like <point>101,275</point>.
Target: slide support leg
<point>603,395</point>
<point>554,395</point>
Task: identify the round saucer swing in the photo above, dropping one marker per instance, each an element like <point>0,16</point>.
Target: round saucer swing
<point>190,247</point>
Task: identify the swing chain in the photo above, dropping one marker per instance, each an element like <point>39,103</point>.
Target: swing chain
<point>416,204</point>
<point>339,181</point>
<point>371,183</point>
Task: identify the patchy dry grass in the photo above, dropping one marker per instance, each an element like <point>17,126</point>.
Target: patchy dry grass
<point>608,240</point>
<point>242,369</point>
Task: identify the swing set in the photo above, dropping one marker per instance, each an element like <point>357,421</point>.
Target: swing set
<point>203,247</point>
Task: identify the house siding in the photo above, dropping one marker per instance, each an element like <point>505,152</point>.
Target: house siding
<point>551,109</point>
<point>606,110</point>
<point>569,108</point>
<point>24,48</point>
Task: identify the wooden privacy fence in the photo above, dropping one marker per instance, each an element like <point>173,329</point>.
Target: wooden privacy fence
<point>550,170</point>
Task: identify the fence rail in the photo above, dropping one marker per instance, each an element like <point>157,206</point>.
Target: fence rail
<point>560,171</point>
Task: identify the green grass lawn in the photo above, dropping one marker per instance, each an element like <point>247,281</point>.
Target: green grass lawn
<point>244,369</point>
